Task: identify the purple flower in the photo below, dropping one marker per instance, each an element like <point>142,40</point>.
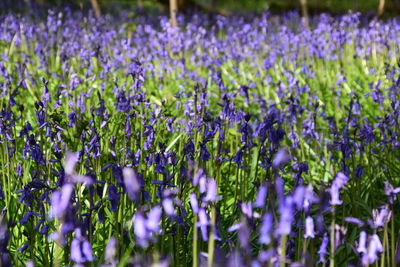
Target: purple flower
<point>234,227</point>
<point>23,248</point>
<point>247,209</point>
<point>113,197</point>
<point>168,206</point>
<point>141,233</point>
<point>309,197</point>
<point>111,251</point>
<point>362,243</point>
<point>359,171</point>
<point>81,250</point>
<point>70,162</point>
<point>198,176</point>
<point>335,198</point>
<point>286,216</point>
<point>238,158</point>
<point>323,249</point>
<point>203,223</point>
<point>266,229</point>
<point>204,154</point>
<point>380,217</point>
<point>27,215</point>
<point>211,194</point>
<point>19,170</point>
<point>60,201</point>
<point>391,192</point>
<point>355,221</point>
<point>339,181</point>
<point>298,197</point>
<point>131,183</point>
<point>309,232</point>
<point>194,203</point>
<point>153,219</point>
<point>244,234</point>
<point>282,157</point>
<point>374,247</point>
<point>261,197</point>
<point>146,228</point>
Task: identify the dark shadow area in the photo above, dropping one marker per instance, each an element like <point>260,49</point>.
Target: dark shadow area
<point>223,7</point>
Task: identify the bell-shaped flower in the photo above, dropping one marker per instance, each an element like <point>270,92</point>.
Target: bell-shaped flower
<point>309,231</point>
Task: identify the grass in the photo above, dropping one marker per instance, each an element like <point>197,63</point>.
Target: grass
<point>312,89</point>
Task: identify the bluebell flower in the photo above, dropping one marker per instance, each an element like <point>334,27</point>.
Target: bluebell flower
<point>281,158</point>
<point>361,248</point>
<point>244,234</point>
<point>110,256</point>
<point>286,216</point>
<point>81,250</point>
<point>323,249</point>
<point>131,183</point>
<point>141,233</point>
<point>193,203</point>
<point>298,197</point>
<point>23,248</point>
<point>153,219</point>
<point>146,228</point>
<point>391,192</point>
<point>211,192</point>
<point>203,222</point>
<point>309,231</point>
<point>238,158</point>
<point>70,162</point>
<point>374,248</point>
<point>266,229</point>
<point>188,149</point>
<point>359,171</point>
<point>355,221</point>
<point>168,206</point>
<point>246,209</point>
<point>27,215</point>
<point>380,217</point>
<point>234,227</point>
<point>60,201</point>
<point>335,199</point>
<point>204,154</point>
<point>113,197</point>
<point>261,197</point>
<point>199,175</point>
<point>340,180</point>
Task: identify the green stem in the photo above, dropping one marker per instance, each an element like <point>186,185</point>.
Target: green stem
<point>211,242</point>
<point>332,256</point>
<point>195,253</point>
<point>282,258</point>
<point>392,235</point>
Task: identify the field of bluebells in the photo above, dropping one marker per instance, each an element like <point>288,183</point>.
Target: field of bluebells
<point>228,141</point>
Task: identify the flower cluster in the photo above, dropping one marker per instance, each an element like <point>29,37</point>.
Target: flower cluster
<point>226,140</point>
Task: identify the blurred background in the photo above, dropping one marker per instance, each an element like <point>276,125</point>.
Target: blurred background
<point>225,7</point>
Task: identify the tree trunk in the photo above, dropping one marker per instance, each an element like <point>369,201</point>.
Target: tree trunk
<point>140,4</point>
<point>381,8</point>
<point>173,9</point>
<point>304,12</point>
<point>193,4</point>
<point>96,8</point>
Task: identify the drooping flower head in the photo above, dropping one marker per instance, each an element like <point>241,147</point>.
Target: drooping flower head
<point>340,180</point>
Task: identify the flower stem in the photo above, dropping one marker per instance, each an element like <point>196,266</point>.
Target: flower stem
<point>195,253</point>
<point>332,256</point>
<point>282,260</point>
